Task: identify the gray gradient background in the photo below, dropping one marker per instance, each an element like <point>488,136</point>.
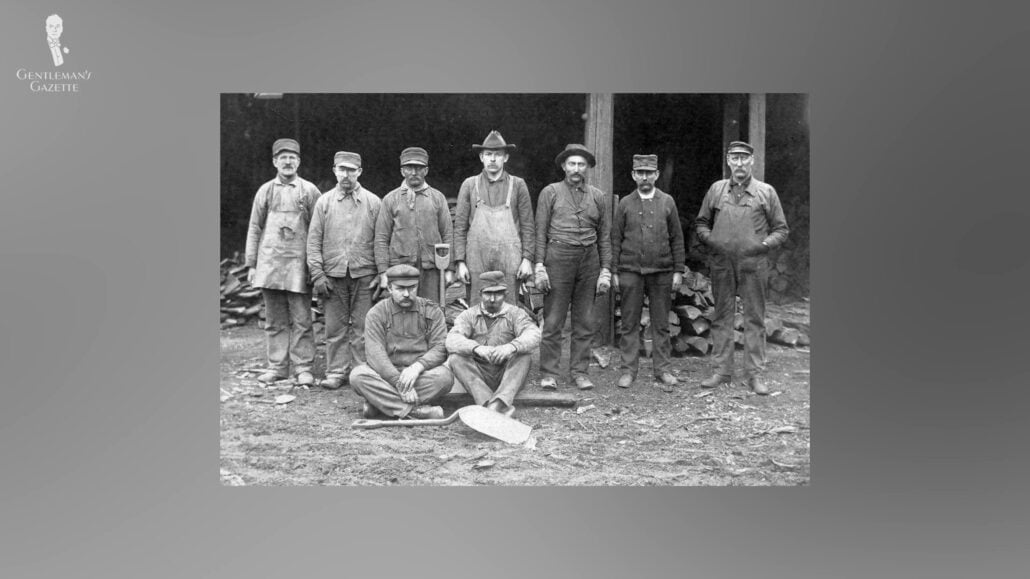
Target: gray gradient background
<point>108,252</point>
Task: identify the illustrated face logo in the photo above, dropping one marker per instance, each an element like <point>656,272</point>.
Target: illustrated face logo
<point>54,28</point>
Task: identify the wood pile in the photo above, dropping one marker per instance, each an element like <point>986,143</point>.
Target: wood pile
<point>693,308</point>
<point>240,303</point>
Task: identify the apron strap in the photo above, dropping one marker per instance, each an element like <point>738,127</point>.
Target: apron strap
<point>478,198</point>
<point>511,185</point>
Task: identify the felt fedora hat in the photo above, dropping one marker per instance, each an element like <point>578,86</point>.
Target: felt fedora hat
<point>494,141</point>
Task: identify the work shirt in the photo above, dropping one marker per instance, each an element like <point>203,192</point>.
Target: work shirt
<point>277,235</point>
<point>770,225</point>
<point>396,338</point>
<point>646,234</point>
<point>494,194</point>
<point>474,327</point>
<point>409,224</point>
<point>342,234</point>
<point>578,216</point>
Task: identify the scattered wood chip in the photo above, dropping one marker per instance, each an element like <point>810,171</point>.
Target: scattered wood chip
<point>583,409</point>
<point>285,398</point>
<point>530,443</point>
<point>777,393</point>
<point>703,394</point>
<point>782,430</point>
<point>483,464</point>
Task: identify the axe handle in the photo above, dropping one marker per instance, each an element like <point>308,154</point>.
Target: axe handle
<point>369,424</point>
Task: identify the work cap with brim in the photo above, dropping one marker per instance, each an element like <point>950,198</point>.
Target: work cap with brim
<point>575,149</point>
<point>349,160</point>
<point>494,141</point>
<point>740,147</point>
<point>645,162</point>
<point>281,145</point>
<point>403,275</point>
<point>493,281</point>
<point>414,156</point>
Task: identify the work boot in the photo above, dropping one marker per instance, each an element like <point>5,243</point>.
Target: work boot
<point>582,382</point>
<point>756,386</point>
<point>667,381</point>
<point>548,383</point>
<point>369,411</point>
<point>715,380</point>
<point>626,380</point>
<point>305,379</point>
<point>271,376</point>
<point>332,382</point>
<point>424,412</point>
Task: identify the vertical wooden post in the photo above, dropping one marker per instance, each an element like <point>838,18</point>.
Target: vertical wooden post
<point>756,131</point>
<point>598,137</point>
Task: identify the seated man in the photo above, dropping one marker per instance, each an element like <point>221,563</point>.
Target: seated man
<point>491,345</point>
<point>404,352</point>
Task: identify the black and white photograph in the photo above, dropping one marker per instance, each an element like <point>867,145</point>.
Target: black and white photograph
<point>515,289</point>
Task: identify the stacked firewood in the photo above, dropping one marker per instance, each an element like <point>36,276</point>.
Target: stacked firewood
<point>693,308</point>
<point>240,303</point>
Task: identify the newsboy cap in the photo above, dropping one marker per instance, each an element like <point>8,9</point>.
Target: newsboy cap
<point>494,141</point>
<point>281,145</point>
<point>575,149</point>
<point>493,281</point>
<point>645,162</point>
<point>414,156</point>
<point>740,147</point>
<point>403,275</point>
<point>349,160</point>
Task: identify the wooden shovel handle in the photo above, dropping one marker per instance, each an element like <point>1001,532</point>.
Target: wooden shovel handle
<point>369,424</point>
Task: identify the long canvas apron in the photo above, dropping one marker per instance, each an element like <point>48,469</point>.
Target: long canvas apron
<point>493,243</point>
<point>734,232</point>
<point>282,254</point>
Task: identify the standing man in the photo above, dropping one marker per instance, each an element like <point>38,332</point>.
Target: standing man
<point>741,220</point>
<point>491,346</point>
<point>413,218</point>
<point>493,223</point>
<point>574,254</point>
<point>276,255</point>
<point>404,346</point>
<point>647,258</point>
<point>343,266</point>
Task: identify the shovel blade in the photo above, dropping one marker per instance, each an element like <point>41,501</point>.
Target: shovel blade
<point>494,424</point>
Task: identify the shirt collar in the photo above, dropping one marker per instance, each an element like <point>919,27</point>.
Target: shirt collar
<point>748,185</point>
<point>502,177</point>
<point>279,181</point>
<point>482,311</point>
<point>650,195</point>
<point>423,190</point>
<point>396,309</point>
<point>355,194</point>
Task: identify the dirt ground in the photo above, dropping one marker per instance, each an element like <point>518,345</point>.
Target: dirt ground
<point>614,436</point>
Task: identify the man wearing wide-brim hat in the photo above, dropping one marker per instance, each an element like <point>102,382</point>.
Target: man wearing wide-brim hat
<point>412,220</point>
<point>343,266</point>
<point>647,260</point>
<point>405,351</point>
<point>741,220</point>
<point>491,346</point>
<point>493,222</point>
<point>276,256</point>
<point>573,262</point>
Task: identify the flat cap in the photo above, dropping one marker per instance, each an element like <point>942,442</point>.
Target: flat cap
<point>349,160</point>
<point>493,281</point>
<point>740,147</point>
<point>403,275</point>
<point>281,145</point>
<point>575,149</point>
<point>645,162</point>
<point>414,156</point>
<point>494,141</point>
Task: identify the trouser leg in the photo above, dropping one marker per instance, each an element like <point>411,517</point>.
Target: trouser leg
<point>337,323</point>
<point>753,275</point>
<point>583,323</point>
<point>561,270</point>
<point>277,330</point>
<point>430,385</point>
<point>361,302</point>
<point>513,379</point>
<point>631,294</point>
<point>724,290</point>
<point>469,372</point>
<point>302,338</point>
<point>659,299</point>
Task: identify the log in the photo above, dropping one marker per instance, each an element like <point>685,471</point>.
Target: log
<point>688,312</point>
<point>700,326</point>
<point>523,398</point>
<point>698,343</point>
<point>772,325</point>
<point>674,320</point>
<point>786,336</point>
<point>803,339</point>
<point>738,321</point>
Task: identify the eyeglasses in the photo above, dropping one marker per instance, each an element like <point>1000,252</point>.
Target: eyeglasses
<point>739,159</point>
<point>412,169</point>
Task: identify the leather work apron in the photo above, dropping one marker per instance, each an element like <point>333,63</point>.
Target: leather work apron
<point>493,244</point>
<point>282,253</point>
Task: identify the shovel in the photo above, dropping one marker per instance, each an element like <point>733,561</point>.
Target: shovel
<point>442,260</point>
<point>478,418</point>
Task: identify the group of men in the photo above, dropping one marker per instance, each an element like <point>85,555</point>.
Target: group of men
<point>348,245</point>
